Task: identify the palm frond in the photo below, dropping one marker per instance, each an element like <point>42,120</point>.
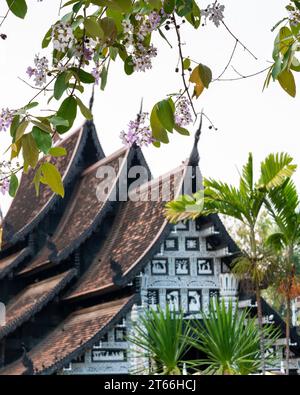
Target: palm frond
<point>275,169</point>
<point>230,339</point>
<point>162,335</point>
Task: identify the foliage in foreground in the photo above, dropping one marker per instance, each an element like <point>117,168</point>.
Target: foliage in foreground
<point>229,338</point>
<point>162,336</point>
<point>231,341</point>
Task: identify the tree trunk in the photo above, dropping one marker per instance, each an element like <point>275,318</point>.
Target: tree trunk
<point>260,326</point>
<point>287,335</point>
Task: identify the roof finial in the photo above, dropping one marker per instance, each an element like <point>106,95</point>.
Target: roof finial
<point>141,109</point>
<point>27,362</point>
<point>92,98</point>
<point>195,157</point>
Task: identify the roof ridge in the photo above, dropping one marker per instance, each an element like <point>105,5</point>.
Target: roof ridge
<point>106,159</point>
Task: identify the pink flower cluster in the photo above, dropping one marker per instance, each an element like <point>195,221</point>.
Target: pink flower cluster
<point>137,133</point>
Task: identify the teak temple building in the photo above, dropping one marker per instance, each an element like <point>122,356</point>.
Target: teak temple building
<point>76,273</point>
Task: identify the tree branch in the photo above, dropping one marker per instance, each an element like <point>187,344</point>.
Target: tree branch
<point>182,65</point>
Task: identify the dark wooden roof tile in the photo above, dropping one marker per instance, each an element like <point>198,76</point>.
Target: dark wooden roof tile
<point>26,206</point>
<point>76,334</point>
<point>32,299</point>
<point>136,229</point>
<point>83,211</point>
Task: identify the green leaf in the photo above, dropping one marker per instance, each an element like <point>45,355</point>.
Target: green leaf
<point>186,63</point>
<point>184,7</point>
<point>113,53</point>
<point>44,124</point>
<point>60,85</point>
<point>194,17</point>
<point>295,64</point>
<point>103,76</point>
<point>205,74</point>
<point>29,106</point>
<point>93,28</point>
<point>117,17</point>
<point>181,130</point>
<point>67,111</point>
<point>51,177</point>
<point>77,6</point>
<point>122,5</point>
<point>43,140</point>
<point>129,65</point>
<point>30,151</point>
<point>283,41</point>
<point>287,82</point>
<point>17,7</point>
<point>47,38</point>
<point>118,5</point>
<point>84,110</point>
<point>57,151</point>
<point>14,125</point>
<point>58,121</point>
<point>159,133</point>
<point>165,114</point>
<point>155,4</point>
<point>110,30</point>
<point>83,76</point>
<point>21,130</point>
<point>13,185</point>
<point>297,3</point>
<point>169,6</point>
<point>276,70</point>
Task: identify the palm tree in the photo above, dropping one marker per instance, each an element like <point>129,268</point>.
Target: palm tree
<point>230,340</point>
<point>283,204</point>
<point>244,204</point>
<point>162,335</point>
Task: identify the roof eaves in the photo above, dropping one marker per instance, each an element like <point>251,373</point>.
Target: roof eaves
<point>5,330</point>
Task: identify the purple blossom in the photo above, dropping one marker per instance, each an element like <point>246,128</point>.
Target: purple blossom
<point>154,19</point>
<point>6,117</point>
<point>183,116</point>
<point>40,71</point>
<point>96,74</point>
<point>137,133</point>
<point>4,186</point>
<point>30,71</point>
<point>88,53</point>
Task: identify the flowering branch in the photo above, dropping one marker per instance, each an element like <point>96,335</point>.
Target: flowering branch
<point>182,65</point>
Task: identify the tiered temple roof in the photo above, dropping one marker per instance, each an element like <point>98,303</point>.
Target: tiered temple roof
<point>32,299</point>
<point>27,208</point>
<point>73,336</point>
<point>81,216</point>
<point>133,238</point>
<point>113,240</point>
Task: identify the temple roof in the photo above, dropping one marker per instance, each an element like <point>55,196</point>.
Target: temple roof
<point>84,212</point>
<point>32,299</point>
<point>12,261</point>
<point>77,333</point>
<point>27,209</point>
<point>134,236</point>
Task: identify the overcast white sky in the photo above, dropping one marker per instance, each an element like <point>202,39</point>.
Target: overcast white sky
<point>247,119</point>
